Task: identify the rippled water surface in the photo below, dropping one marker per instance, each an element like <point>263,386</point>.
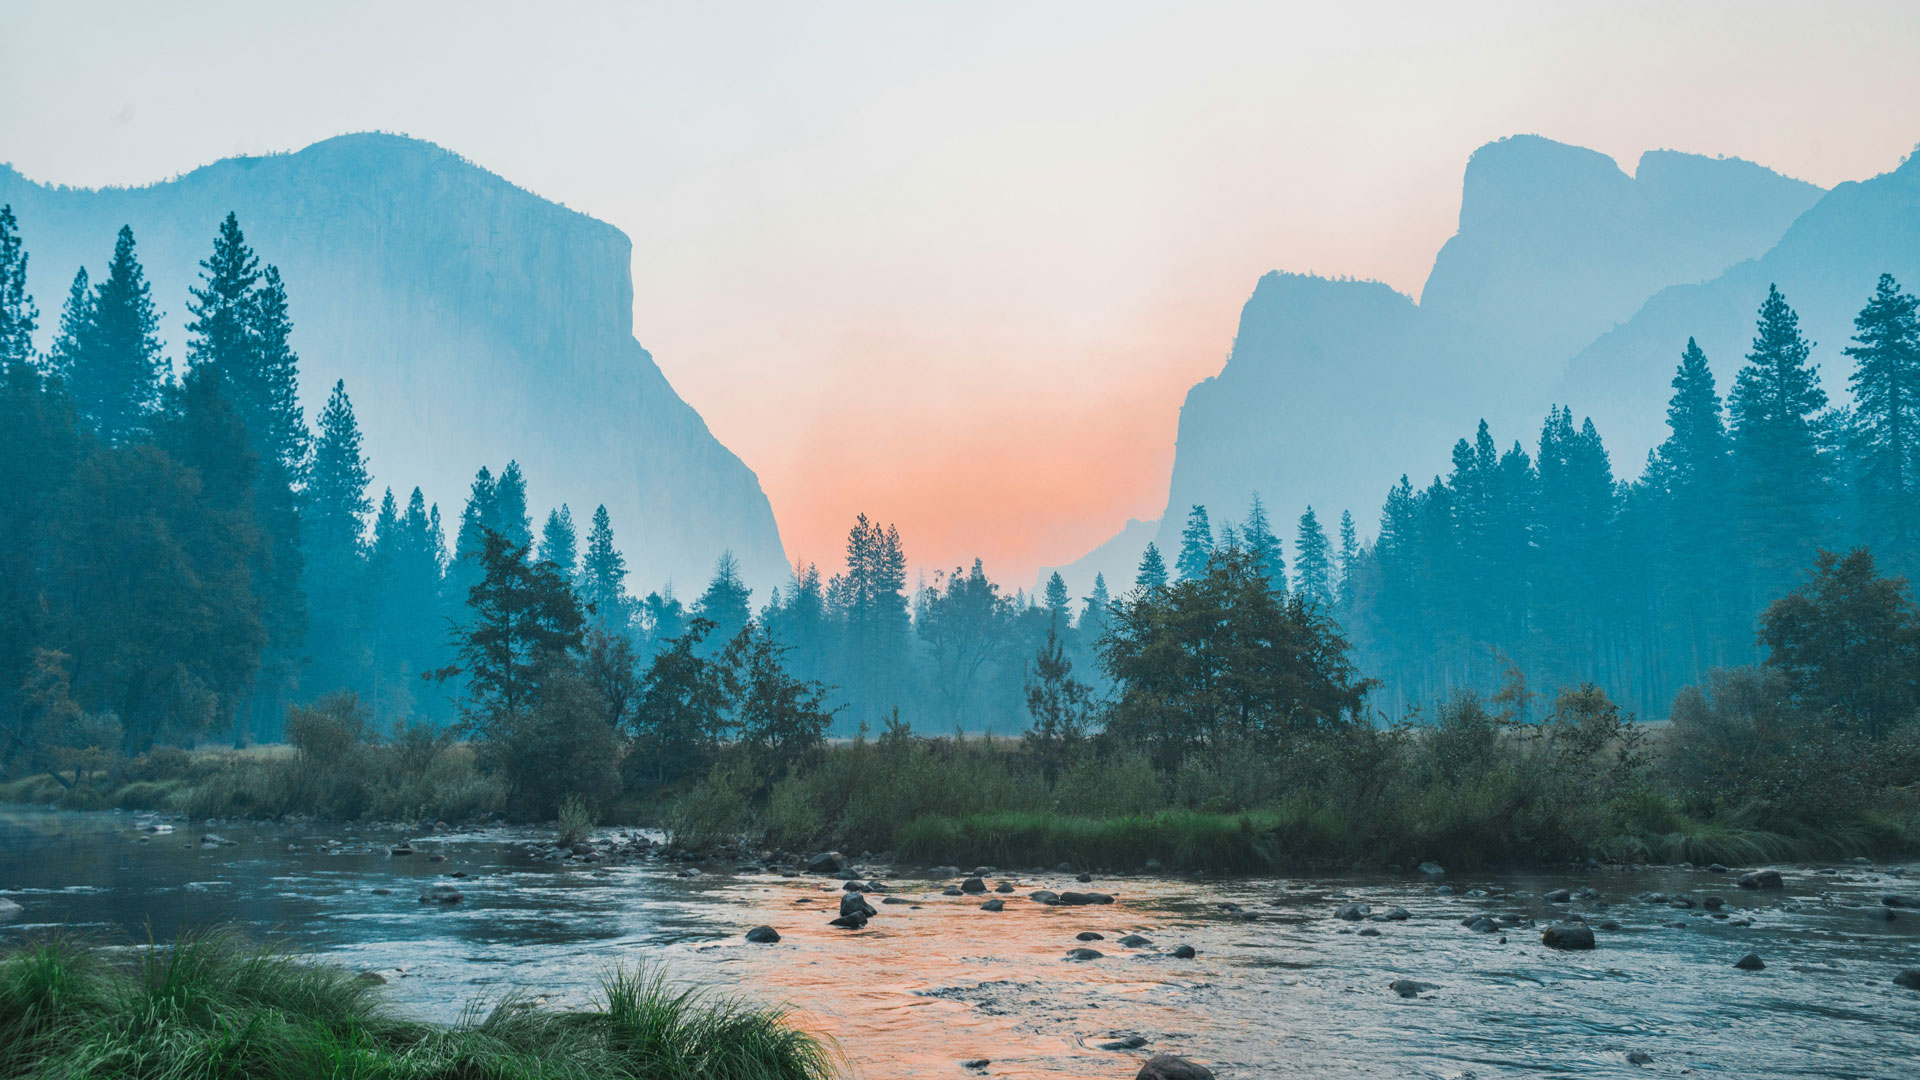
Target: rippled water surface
<point>1280,987</point>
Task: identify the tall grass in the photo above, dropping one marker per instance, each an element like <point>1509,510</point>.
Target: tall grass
<point>212,1005</point>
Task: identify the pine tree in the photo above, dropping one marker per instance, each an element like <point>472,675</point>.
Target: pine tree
<point>1059,603</point>
<point>1313,569</point>
<point>726,603</point>
<point>558,544</point>
<point>603,577</point>
<point>510,518</point>
<point>1885,440</point>
<point>220,336</point>
<point>1257,538</point>
<point>283,429</point>
<point>1097,613</point>
<point>18,317</point>
<point>336,491</point>
<point>1196,545</point>
<point>1153,570</point>
<point>1775,403</point>
<point>1691,474</point>
<point>333,525</point>
<point>116,374</point>
<point>76,330</point>
<point>1349,559</point>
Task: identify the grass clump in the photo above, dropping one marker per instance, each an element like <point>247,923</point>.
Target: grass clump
<point>212,1005</point>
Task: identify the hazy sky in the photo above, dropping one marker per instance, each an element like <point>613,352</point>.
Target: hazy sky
<point>956,265</point>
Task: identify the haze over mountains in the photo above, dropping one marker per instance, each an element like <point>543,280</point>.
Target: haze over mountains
<point>473,322</point>
<point>1334,388</point>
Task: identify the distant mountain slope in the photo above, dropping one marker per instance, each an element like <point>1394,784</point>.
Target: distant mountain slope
<point>1826,265</point>
<point>1336,388</point>
<point>473,322</point>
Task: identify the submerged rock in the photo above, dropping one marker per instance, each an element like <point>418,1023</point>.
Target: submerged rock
<point>994,905</point>
<point>1639,1057</point>
<point>849,922</point>
<point>1088,935</point>
<point>1169,1067</point>
<point>441,894</point>
<point>1432,870</point>
<point>1135,941</point>
<point>1082,898</point>
<point>1409,988</point>
<point>1353,912</point>
<point>1557,896</point>
<point>1084,954</point>
<point>9,910</point>
<point>1044,896</point>
<point>763,935</point>
<point>1183,952</point>
<point>1761,879</point>
<point>1909,978</point>
<point>1751,962</point>
<point>1129,1042</point>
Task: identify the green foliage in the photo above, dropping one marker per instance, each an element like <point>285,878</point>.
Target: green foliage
<point>213,1005</point>
<point>577,821</point>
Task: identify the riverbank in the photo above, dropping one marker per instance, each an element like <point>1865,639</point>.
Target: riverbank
<point>985,802</point>
<point>214,1004</point>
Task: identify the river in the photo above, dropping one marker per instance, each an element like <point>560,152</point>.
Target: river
<point>1279,986</point>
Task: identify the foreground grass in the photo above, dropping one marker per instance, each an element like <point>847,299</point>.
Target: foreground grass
<point>214,1006</point>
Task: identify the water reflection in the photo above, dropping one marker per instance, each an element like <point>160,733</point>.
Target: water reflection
<point>1278,987</point>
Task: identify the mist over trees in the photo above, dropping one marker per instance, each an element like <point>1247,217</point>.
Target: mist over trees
<point>188,557</point>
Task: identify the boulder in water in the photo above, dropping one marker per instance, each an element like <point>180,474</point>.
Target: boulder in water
<point>9,910</point>
<point>973,885</point>
<point>1135,941</point>
<point>1761,879</point>
<point>1410,988</point>
<point>441,894</point>
<point>855,904</point>
<point>763,935</point>
<point>1183,952</point>
<point>1909,978</point>
<point>827,862</point>
<point>1084,954</point>
<point>1751,962</point>
<point>1567,936</point>
<point>1353,912</point>
<point>996,904</point>
<point>1432,870</point>
<point>1169,1067</point>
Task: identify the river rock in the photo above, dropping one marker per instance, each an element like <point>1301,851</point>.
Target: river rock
<point>1392,914</point>
<point>1368,931</point>
<point>827,862</point>
<point>1083,878</point>
<point>9,910</point>
<point>1761,879</point>
<point>1751,962</point>
<point>1898,900</point>
<point>441,894</point>
<point>1183,952</point>
<point>1567,936</point>
<point>1004,887</point>
<point>855,921</point>
<point>1909,978</point>
<point>763,935</point>
<point>1557,896</point>
<point>1135,941</point>
<point>1084,954</point>
<point>1410,988</point>
<point>1712,903</point>
<point>1353,912</point>
<point>952,890</point>
<point>1432,870</point>
<point>1077,899</point>
<point>976,1063</point>
<point>995,904</point>
<point>1639,1057</point>
<point>215,840</point>
<point>1169,1067</point>
<point>973,885</point>
<point>1716,868</point>
<point>1130,1042</point>
<point>855,904</point>
<point>1088,935</point>
<point>895,900</point>
<point>1044,896</point>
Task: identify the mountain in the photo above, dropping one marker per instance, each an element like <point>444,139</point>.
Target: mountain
<point>1556,245</point>
<point>474,322</point>
<point>1334,388</point>
<point>1825,265</point>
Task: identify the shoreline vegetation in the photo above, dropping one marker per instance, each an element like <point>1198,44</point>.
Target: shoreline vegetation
<point>214,1004</point>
